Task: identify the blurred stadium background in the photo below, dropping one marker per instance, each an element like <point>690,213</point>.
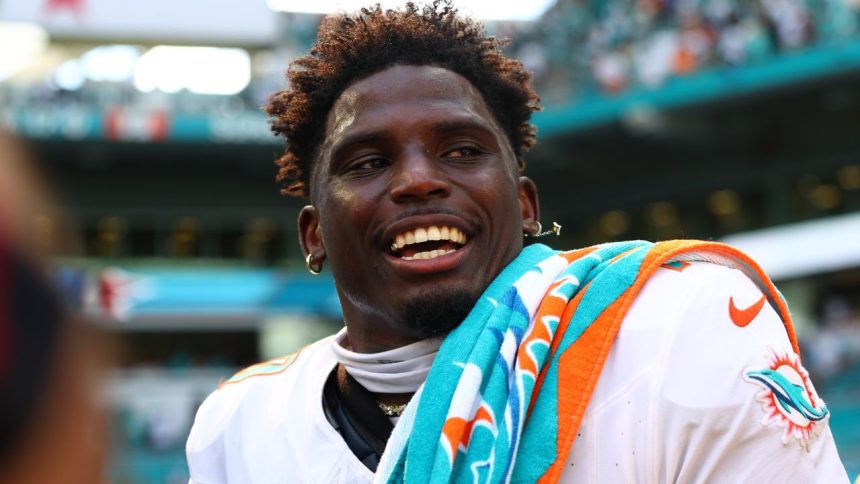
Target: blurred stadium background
<point>718,119</point>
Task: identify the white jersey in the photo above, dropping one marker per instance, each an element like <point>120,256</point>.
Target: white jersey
<point>689,393</point>
<point>678,399</point>
<point>267,425</point>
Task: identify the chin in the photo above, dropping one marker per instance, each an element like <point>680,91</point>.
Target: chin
<point>437,312</point>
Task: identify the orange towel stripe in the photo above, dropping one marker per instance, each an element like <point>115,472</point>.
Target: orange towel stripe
<point>564,322</point>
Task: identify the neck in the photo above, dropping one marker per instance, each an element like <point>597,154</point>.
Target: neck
<point>374,336</point>
<point>374,343</point>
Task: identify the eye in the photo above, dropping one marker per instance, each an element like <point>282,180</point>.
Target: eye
<point>463,152</point>
<point>367,165</point>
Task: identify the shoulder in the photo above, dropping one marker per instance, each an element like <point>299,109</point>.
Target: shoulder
<point>233,411</point>
<point>716,292</point>
<point>696,297</point>
<point>692,325</point>
<point>729,359</point>
<point>711,383</point>
<point>708,317</point>
<point>262,381</point>
<point>728,381</point>
<point>275,366</point>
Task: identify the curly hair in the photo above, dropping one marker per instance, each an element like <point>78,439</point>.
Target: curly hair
<point>352,47</point>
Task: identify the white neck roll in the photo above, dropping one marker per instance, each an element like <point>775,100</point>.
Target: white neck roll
<point>401,370</point>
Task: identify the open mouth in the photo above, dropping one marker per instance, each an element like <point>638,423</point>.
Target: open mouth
<point>427,242</point>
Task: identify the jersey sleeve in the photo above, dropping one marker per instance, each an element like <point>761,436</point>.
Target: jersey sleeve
<point>205,448</point>
<point>735,404</point>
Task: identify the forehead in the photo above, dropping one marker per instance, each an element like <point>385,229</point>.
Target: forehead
<point>405,90</point>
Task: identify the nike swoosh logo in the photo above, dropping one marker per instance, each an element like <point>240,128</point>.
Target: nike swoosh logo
<point>743,317</point>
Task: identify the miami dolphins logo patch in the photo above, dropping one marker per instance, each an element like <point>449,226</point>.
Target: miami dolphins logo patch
<point>271,367</point>
<point>788,397</point>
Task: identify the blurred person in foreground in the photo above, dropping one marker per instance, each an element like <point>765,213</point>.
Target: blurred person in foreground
<point>468,353</point>
<point>51,427</point>
<point>26,206</point>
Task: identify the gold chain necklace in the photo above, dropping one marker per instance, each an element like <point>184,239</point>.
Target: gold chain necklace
<point>391,410</point>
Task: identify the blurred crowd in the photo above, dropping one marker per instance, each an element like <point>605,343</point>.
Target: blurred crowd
<point>588,47</point>
<point>578,49</point>
<point>832,349</point>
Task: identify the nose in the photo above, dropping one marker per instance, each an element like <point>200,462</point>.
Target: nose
<point>418,177</point>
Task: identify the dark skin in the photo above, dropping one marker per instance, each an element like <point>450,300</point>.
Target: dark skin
<point>408,147</point>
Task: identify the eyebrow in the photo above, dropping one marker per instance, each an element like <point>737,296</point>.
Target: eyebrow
<point>448,126</point>
<point>355,139</point>
<point>371,137</point>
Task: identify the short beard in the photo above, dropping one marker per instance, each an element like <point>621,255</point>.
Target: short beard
<point>437,313</point>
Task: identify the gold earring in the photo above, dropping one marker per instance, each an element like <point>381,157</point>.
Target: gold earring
<point>313,268</point>
<point>556,229</point>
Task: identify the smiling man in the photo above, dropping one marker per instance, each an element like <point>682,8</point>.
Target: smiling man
<point>417,202</point>
<point>466,357</point>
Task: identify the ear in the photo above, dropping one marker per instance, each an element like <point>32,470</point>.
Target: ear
<point>310,233</point>
<point>529,204</point>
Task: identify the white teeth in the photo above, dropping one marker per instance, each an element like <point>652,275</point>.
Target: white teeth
<point>428,255</point>
<point>423,234</point>
<point>420,235</point>
<point>433,233</point>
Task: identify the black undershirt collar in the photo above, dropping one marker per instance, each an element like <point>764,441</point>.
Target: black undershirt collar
<point>353,412</point>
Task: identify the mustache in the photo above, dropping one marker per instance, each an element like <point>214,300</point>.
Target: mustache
<point>427,210</point>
